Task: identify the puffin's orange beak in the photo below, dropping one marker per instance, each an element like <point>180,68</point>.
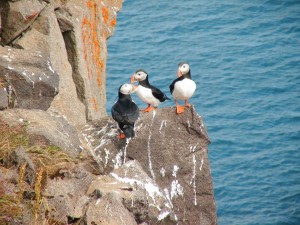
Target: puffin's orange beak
<point>134,88</point>
<point>132,79</point>
<point>179,74</point>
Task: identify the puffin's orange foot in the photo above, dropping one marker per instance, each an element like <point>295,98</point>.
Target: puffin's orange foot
<point>179,109</point>
<point>121,136</point>
<point>188,105</point>
<point>143,110</point>
<point>149,109</point>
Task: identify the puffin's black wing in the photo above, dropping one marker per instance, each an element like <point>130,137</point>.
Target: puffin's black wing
<point>133,113</point>
<point>173,83</point>
<point>158,94</point>
<point>125,112</point>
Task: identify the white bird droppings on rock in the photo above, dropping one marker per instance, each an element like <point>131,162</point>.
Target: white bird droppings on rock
<point>193,180</point>
<point>162,172</point>
<point>50,67</point>
<point>163,215</point>
<point>151,188</point>
<point>107,153</point>
<point>175,169</point>
<point>149,147</point>
<point>176,189</point>
<point>163,124</point>
<point>201,165</point>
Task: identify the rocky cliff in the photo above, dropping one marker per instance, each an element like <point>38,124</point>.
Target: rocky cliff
<point>60,159</point>
<point>54,55</point>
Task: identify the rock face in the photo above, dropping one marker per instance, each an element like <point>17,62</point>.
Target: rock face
<point>56,55</point>
<point>47,127</point>
<point>172,150</point>
<point>161,176</point>
<point>30,80</point>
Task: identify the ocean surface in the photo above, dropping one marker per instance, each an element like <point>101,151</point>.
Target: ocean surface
<point>245,59</point>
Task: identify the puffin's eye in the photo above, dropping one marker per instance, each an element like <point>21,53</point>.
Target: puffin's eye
<point>139,74</point>
<point>183,66</point>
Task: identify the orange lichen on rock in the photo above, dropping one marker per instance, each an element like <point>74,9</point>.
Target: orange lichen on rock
<point>94,102</point>
<point>105,14</point>
<point>91,43</point>
<point>30,16</point>
<point>99,80</point>
<point>113,22</point>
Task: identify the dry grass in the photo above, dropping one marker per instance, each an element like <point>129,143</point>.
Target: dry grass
<point>48,160</point>
<point>48,156</point>
<point>2,82</point>
<point>10,209</point>
<point>21,182</point>
<point>10,139</point>
<point>37,190</point>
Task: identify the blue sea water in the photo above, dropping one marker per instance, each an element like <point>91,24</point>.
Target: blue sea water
<point>245,59</point>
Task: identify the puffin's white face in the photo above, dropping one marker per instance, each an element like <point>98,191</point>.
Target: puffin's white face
<point>126,89</point>
<point>184,68</point>
<point>139,76</point>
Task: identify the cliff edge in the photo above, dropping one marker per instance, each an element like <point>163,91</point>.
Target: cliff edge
<point>173,151</point>
<point>161,176</point>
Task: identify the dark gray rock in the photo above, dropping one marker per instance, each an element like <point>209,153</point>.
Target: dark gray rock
<point>173,150</point>
<point>18,158</point>
<point>31,76</point>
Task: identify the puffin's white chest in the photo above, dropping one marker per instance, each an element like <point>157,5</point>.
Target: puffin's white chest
<point>145,94</point>
<point>184,89</point>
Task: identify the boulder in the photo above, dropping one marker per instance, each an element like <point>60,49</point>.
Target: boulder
<point>17,17</point>
<point>65,194</point>
<point>18,158</point>
<point>139,193</point>
<point>29,76</point>
<point>126,196</point>
<point>173,151</point>
<point>108,210</point>
<point>54,128</point>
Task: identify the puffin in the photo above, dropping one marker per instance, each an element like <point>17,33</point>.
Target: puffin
<point>147,92</point>
<point>125,112</point>
<point>183,87</point>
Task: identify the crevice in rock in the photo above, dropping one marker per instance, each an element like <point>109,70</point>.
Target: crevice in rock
<point>72,220</point>
<point>70,43</point>
<point>11,39</point>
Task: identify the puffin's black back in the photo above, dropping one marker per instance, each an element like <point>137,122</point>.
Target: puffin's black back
<point>155,91</point>
<point>125,112</point>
